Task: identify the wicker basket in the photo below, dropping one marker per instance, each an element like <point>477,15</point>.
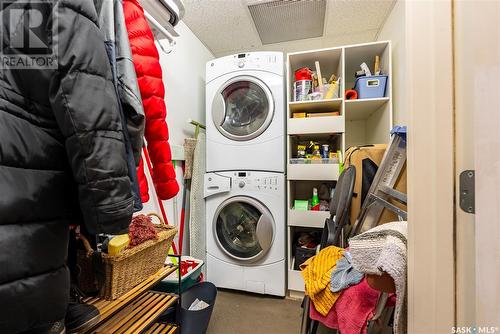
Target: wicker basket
<point>124,271</point>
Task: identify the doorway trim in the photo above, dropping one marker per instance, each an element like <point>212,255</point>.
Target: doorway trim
<point>431,205</point>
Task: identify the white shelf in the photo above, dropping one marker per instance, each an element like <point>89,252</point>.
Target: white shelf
<point>361,109</point>
<point>316,125</point>
<point>326,172</point>
<point>361,122</point>
<point>314,219</point>
<point>295,280</point>
<point>315,106</point>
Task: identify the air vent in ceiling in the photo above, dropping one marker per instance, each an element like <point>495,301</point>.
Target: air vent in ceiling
<point>288,20</point>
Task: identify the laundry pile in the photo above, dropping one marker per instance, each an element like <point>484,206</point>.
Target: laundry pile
<point>317,272</point>
<point>383,249</point>
<point>335,282</point>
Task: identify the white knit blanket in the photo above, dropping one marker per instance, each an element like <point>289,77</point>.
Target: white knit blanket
<point>383,249</point>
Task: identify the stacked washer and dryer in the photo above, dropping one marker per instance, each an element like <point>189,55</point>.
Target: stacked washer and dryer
<point>245,179</point>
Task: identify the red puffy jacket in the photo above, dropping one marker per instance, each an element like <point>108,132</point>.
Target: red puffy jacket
<point>149,76</point>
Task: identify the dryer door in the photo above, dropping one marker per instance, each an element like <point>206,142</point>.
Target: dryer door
<point>244,228</point>
<point>243,108</point>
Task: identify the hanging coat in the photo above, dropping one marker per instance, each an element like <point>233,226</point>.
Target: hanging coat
<point>62,159</point>
<point>112,24</point>
<point>149,76</point>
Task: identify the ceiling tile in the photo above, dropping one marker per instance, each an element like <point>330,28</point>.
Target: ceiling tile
<point>226,26</point>
<point>350,16</point>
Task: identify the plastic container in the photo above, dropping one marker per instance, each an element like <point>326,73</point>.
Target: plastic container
<point>169,284</point>
<point>196,322</point>
<point>371,87</point>
<point>302,89</point>
<point>302,86</point>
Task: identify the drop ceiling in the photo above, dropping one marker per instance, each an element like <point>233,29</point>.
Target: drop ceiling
<point>227,26</point>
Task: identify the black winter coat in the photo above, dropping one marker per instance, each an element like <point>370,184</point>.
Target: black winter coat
<point>62,157</point>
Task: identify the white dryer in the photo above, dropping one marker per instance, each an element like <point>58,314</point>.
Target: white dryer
<point>245,112</point>
<point>245,213</point>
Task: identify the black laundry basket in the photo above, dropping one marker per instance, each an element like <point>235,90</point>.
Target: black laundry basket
<point>196,322</point>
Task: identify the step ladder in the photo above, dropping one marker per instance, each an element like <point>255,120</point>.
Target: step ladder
<point>382,190</point>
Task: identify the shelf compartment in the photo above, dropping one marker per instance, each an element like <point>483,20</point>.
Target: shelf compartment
<point>313,219</point>
<point>365,53</point>
<point>330,61</point>
<point>334,140</point>
<point>356,110</point>
<point>327,172</point>
<point>328,105</point>
<point>320,125</point>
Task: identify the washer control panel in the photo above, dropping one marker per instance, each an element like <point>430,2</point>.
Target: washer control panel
<point>256,181</point>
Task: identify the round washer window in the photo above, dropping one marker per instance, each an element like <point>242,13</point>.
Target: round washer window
<point>236,227</point>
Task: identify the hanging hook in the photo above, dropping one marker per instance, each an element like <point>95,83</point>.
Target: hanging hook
<point>170,43</point>
<point>158,30</point>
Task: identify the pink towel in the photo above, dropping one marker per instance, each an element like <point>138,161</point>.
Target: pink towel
<point>351,311</point>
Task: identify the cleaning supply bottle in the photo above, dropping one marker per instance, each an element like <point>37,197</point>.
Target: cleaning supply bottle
<point>315,200</point>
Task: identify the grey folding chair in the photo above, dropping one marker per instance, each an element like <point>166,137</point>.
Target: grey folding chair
<point>333,231</point>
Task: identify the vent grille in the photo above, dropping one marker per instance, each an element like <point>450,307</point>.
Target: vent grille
<point>288,20</point>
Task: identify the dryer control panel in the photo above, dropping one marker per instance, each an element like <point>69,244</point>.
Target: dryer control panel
<point>252,61</point>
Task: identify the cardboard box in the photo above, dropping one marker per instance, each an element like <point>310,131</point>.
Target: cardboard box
<point>323,114</point>
<point>299,115</point>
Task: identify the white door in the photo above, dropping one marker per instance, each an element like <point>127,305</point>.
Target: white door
<point>477,111</point>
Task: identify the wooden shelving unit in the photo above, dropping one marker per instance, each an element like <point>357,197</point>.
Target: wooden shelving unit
<point>137,311</point>
<point>361,122</point>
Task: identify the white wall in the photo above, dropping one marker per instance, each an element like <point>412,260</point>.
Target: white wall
<point>394,30</point>
<point>184,79</point>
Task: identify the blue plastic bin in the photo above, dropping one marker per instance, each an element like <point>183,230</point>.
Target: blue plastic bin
<point>371,87</point>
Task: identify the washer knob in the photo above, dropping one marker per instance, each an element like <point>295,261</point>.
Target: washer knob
<point>241,64</point>
<point>241,184</point>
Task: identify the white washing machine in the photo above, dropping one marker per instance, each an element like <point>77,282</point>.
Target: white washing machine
<point>245,96</point>
<point>245,213</point>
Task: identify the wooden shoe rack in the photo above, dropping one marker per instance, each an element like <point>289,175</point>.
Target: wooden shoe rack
<point>138,310</point>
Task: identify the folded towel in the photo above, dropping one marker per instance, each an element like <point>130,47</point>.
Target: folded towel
<point>344,274</point>
<point>383,249</point>
<point>316,272</point>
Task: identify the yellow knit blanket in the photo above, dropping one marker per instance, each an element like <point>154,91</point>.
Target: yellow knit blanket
<point>317,272</point>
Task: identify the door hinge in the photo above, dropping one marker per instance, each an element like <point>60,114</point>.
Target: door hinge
<point>467,191</point>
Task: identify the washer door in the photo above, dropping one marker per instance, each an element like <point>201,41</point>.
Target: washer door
<point>243,108</point>
<point>244,228</point>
